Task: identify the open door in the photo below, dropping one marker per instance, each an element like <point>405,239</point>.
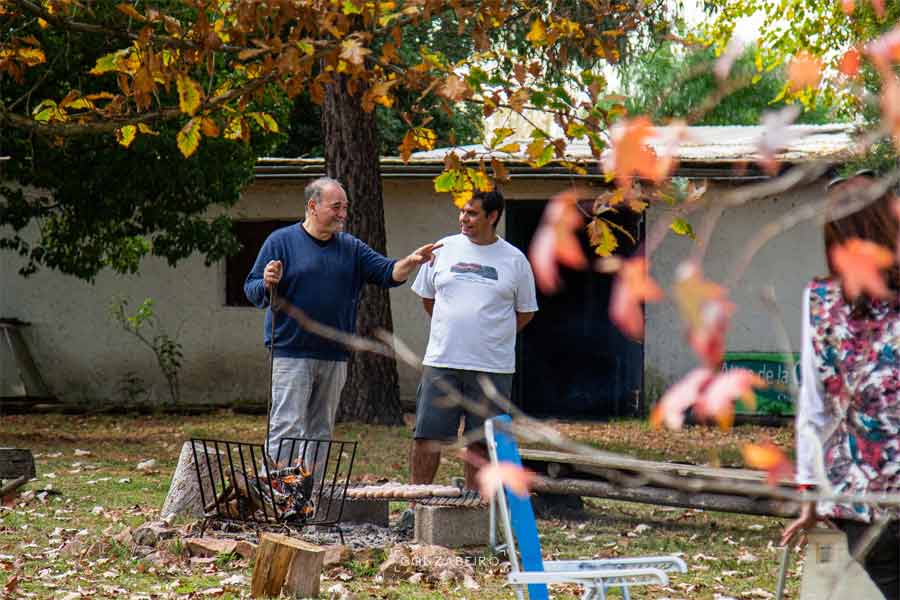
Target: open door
<point>571,361</point>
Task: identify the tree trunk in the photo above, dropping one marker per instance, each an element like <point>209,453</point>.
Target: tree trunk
<point>372,393</point>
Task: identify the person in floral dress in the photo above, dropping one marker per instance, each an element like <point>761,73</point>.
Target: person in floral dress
<point>848,410</point>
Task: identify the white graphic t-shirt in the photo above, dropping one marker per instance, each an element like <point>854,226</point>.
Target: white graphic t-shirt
<point>477,291</point>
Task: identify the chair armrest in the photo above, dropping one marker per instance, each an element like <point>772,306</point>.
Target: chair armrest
<point>666,563</point>
<point>613,577</point>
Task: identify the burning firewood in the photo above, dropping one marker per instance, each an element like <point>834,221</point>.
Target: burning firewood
<point>286,494</point>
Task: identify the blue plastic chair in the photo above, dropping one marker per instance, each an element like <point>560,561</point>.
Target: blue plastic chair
<point>520,533</point>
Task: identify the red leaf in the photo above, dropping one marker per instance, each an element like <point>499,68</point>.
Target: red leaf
<point>885,50</point>
<point>705,310</point>
<point>717,401</point>
<point>848,6</point>
<point>518,479</point>
<point>670,409</point>
<point>878,6</point>
<point>859,264</point>
<point>630,154</point>
<point>769,458</point>
<point>632,287</point>
<point>849,64</point>
<point>804,71</point>
<point>555,241</point>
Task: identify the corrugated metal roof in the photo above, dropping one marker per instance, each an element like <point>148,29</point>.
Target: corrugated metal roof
<point>713,144</point>
<point>711,148</point>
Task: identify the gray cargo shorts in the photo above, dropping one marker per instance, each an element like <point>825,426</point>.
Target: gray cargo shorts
<point>437,418</point>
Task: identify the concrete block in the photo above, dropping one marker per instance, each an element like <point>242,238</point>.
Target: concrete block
<point>363,511</point>
<point>451,526</point>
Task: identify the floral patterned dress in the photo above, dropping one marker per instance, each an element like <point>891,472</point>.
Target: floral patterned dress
<point>856,362</point>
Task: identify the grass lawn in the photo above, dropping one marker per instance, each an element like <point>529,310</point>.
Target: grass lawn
<point>58,540</point>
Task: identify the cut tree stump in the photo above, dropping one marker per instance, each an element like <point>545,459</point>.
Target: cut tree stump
<point>184,496</point>
<point>286,566</point>
<point>15,463</point>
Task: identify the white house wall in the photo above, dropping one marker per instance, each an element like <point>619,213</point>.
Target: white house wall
<point>83,355</point>
<point>786,263</point>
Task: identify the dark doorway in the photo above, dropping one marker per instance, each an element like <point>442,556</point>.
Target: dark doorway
<point>572,362</point>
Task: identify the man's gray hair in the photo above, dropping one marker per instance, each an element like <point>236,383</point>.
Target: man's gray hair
<point>315,188</point>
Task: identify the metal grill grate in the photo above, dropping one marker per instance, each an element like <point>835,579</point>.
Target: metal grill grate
<point>238,483</point>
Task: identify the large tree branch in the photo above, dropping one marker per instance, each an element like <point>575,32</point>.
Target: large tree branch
<point>111,124</point>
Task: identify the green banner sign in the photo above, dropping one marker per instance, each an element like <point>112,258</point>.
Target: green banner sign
<point>775,368</point>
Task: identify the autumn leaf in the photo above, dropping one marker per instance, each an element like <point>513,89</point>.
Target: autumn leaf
<point>515,478</point>
<point>265,121</point>
<point>601,237</point>
<point>769,458</point>
<point>125,135</point>
<point>31,56</point>
<point>878,7</point>
<point>717,401</point>
<point>849,64</point>
<point>145,129</point>
<point>454,89</point>
<point>501,173</point>
<point>848,6</point>
<point>190,94</point>
<point>235,129</point>
<point>670,409</point>
<point>632,288</point>
<point>353,51</point>
<point>188,139</point>
<point>630,153</point>
<point>859,264</point>
<point>209,127</point>
<point>705,310</point>
<point>537,35</point>
<point>682,227</point>
<point>109,62</point>
<point>804,71</point>
<point>555,241</point>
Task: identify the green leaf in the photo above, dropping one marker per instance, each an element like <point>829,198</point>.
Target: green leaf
<point>125,135</point>
<point>189,94</point>
<point>446,181</point>
<point>109,62</point>
<point>188,138</point>
<point>45,111</point>
<point>682,227</point>
<point>348,8</point>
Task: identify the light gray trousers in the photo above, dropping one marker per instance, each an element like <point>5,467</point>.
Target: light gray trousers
<point>306,393</point>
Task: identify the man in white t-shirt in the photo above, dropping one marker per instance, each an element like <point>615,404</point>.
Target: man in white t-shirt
<point>479,291</point>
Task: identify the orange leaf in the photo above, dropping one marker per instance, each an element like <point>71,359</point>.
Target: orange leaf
<point>719,396</point>
<point>630,154</point>
<point>804,71</point>
<point>848,6</point>
<point>705,310</point>
<point>878,7</point>
<point>769,458</point>
<point>555,241</point>
<point>859,264</point>
<point>670,409</point>
<point>517,479</point>
<point>849,64</point>
<point>454,89</point>
<point>632,287</point>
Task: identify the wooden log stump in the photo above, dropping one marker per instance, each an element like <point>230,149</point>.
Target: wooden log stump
<point>286,566</point>
<point>184,497</point>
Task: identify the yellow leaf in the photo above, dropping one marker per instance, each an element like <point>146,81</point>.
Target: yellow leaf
<point>125,135</point>
<point>189,94</point>
<point>538,34</point>
<point>188,138</point>
<point>145,129</point>
<point>109,62</point>
<point>500,135</point>
<point>480,180</point>
<point>461,197</point>
<point>424,137</point>
<point>265,121</point>
<point>235,129</point>
<point>43,24</point>
<point>209,127</point>
<point>602,237</point>
<point>31,56</point>
<point>510,148</point>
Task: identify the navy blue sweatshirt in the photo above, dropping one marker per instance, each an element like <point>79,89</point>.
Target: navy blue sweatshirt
<point>323,279</point>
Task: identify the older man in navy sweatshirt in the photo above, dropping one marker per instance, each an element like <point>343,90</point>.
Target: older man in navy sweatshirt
<point>321,270</point>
